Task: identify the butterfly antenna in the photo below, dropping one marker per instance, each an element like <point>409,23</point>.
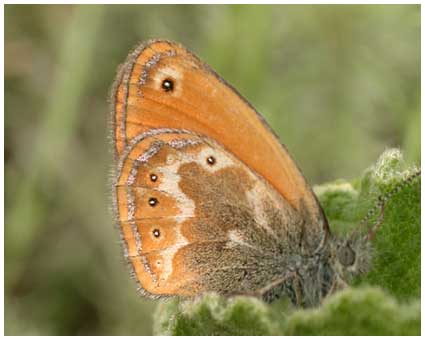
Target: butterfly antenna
<point>380,204</point>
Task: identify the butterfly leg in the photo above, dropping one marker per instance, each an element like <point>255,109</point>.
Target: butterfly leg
<point>337,284</point>
<point>274,290</point>
<point>290,285</point>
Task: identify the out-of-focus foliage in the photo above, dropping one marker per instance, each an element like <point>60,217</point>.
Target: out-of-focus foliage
<point>338,84</point>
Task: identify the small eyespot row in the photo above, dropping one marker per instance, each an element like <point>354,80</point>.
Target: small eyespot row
<point>211,160</point>
<point>153,177</point>
<point>167,85</point>
<point>153,201</point>
<point>156,233</point>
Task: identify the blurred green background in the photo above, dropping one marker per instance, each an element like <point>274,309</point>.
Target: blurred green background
<point>339,84</point>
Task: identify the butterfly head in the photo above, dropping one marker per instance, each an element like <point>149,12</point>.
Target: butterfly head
<point>336,264</point>
<point>351,256</point>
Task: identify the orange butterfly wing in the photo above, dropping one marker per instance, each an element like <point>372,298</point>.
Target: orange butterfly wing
<point>201,102</point>
<point>165,94</point>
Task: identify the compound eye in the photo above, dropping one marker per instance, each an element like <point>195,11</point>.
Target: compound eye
<point>346,255</point>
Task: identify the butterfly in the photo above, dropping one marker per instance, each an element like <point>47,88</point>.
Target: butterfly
<point>206,197</point>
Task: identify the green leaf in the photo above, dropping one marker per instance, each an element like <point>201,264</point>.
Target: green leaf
<point>214,315</point>
<point>366,311</point>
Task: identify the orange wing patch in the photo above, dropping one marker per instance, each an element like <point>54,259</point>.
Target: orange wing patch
<point>150,208</point>
<point>164,85</point>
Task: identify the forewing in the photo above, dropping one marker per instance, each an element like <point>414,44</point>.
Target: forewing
<point>203,102</point>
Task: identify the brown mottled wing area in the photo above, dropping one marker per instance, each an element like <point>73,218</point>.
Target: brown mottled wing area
<point>194,218</point>
<point>204,103</point>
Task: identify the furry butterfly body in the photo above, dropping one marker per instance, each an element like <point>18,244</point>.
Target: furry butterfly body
<point>206,197</point>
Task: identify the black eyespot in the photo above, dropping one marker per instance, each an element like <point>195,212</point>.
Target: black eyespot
<point>156,233</point>
<point>211,160</point>
<point>153,177</point>
<point>153,201</point>
<point>346,255</point>
<point>168,85</point>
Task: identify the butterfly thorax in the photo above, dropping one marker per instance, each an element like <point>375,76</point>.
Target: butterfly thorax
<point>307,278</point>
<point>330,269</point>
